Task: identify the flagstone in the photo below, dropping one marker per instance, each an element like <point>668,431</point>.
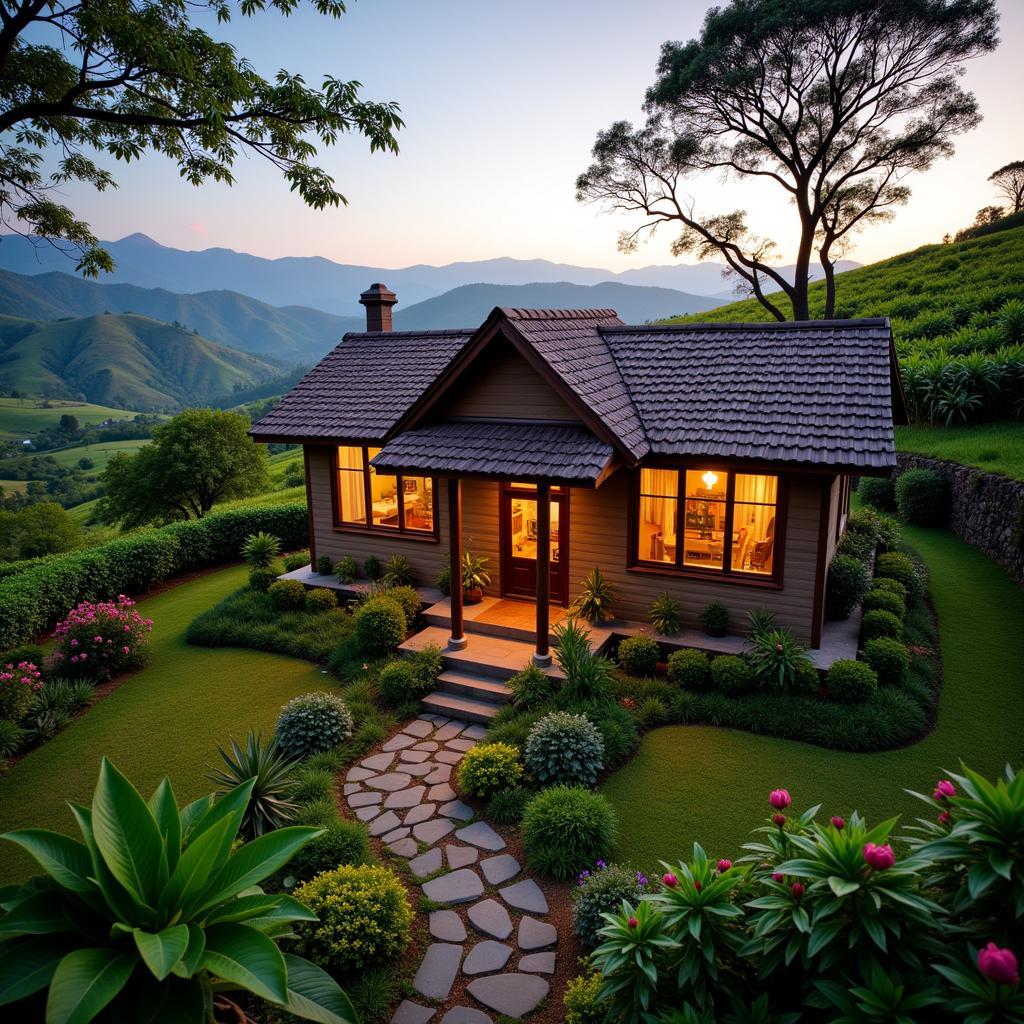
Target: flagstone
<point>431,831</point>
<point>426,863</point>
<point>420,813</point>
<point>457,809</point>
<point>486,956</point>
<point>526,896</point>
<point>409,1012</point>
<point>447,926</point>
<point>437,973</point>
<point>399,742</point>
<point>500,869</point>
<point>405,798</point>
<point>418,728</point>
<point>534,934</point>
<point>514,995</point>
<point>378,762</point>
<point>460,886</point>
<point>538,963</point>
<point>385,823</point>
<point>481,834</point>
<point>461,856</point>
<point>441,792</point>
<point>391,782</point>
<point>491,918</point>
<point>364,799</point>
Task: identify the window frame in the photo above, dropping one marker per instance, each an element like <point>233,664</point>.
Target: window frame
<point>401,530</point>
<point>726,574</point>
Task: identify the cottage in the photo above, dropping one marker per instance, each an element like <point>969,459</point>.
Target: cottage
<point>708,461</point>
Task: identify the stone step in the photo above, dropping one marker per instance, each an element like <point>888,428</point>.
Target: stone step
<point>465,684</point>
<point>465,708</point>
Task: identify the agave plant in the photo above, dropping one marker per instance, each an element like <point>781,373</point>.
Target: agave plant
<point>151,916</point>
<point>595,599</point>
<point>775,658</point>
<point>260,550</point>
<point>587,676</point>
<point>272,774</point>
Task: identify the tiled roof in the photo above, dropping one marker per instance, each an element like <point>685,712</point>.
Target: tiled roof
<point>362,388</point>
<point>570,455</point>
<point>811,392</point>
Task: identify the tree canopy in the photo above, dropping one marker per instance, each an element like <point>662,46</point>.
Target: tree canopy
<point>41,529</point>
<point>200,457</point>
<point>1009,180</point>
<point>115,78</point>
<point>833,101</point>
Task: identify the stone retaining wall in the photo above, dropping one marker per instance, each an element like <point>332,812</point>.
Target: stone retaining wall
<point>986,509</point>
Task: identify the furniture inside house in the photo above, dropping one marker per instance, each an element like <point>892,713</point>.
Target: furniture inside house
<point>762,553</point>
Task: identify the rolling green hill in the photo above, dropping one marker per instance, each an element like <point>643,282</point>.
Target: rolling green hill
<point>122,360</point>
<point>22,417</point>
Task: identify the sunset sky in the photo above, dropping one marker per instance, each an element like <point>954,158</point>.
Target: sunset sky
<point>502,102</point>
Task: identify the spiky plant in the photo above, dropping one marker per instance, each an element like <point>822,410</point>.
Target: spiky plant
<point>595,599</point>
<point>260,550</point>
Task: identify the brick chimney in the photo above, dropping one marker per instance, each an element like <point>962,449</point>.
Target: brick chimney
<point>378,300</point>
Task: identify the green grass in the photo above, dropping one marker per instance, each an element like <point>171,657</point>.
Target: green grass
<point>994,447</point>
<point>20,418</point>
<point>691,783</point>
<point>14,486</point>
<point>167,719</point>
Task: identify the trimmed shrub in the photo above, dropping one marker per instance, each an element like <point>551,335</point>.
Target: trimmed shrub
<point>639,655</point>
<point>665,614</point>
<point>312,723</point>
<point>372,568</point>
<point>346,843</point>
<point>380,626</point>
<point>922,498</point>
<point>879,492</point>
<point>879,623</point>
<point>806,678</point>
<point>346,570</point>
<point>848,582</point>
<point>531,688</point>
<point>601,892</point>
<point>857,544</point>
<point>320,599</point>
<point>851,682</point>
<point>296,560</point>
<point>618,733</point>
<point>731,674</point>
<point>886,601</point>
<point>581,1002</point>
<point>714,619</point>
<point>565,828</point>
<point>564,749</point>
<point>689,669</point>
<point>364,918</point>
<point>323,565</point>
<point>888,657</point>
<point>101,640</point>
<point>397,683</point>
<point>897,566</point>
<point>19,683</point>
<point>409,601</point>
<point>287,595</point>
<point>398,572</point>
<point>262,580</point>
<point>508,806</point>
<point>889,533</point>
<point>890,586</point>
<point>489,768</point>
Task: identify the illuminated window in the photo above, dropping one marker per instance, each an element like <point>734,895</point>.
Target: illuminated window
<point>403,504</point>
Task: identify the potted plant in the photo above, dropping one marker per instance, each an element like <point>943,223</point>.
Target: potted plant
<point>474,578</point>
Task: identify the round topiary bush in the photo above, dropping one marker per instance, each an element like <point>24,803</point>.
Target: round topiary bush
<point>311,723</point>
<point>689,669</point>
<point>286,595</point>
<point>320,599</point>
<point>731,674</point>
<point>398,683</point>
<point>851,682</point>
<point>886,601</point>
<point>380,626</point>
<point>895,565</point>
<point>889,585</point>
<point>531,688</point>
<point>618,733</point>
<point>346,843</point>
<point>848,582</point>
<point>888,657</point>
<point>565,828</point>
<point>879,623</point>
<point>263,579</point>
<point>879,492</point>
<point>409,599</point>
<point>639,655</point>
<point>564,749</point>
<point>714,619</point>
<point>857,544</point>
<point>806,678</point>
<point>601,892</point>
<point>488,769</point>
<point>364,918</point>
<point>922,498</point>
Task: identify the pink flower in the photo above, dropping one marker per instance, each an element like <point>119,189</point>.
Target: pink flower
<point>797,889</point>
<point>670,880</point>
<point>879,857</point>
<point>97,639</point>
<point>778,876</point>
<point>998,964</point>
<point>698,886</point>
<point>779,819</point>
<point>724,864</point>
<point>945,818</point>
<point>780,799</point>
<point>126,650</point>
<point>633,922</point>
<point>838,823</point>
<point>944,789</point>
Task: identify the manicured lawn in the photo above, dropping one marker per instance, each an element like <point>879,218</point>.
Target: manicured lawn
<point>995,447</point>
<point>167,719</point>
<point>697,783</point>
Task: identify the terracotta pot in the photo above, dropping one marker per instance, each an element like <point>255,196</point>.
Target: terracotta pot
<point>474,596</point>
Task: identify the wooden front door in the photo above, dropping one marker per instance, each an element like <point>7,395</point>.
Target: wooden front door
<point>519,541</point>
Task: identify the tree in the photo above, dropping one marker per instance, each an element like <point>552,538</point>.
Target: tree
<point>1009,180</point>
<point>832,101</point>
<point>120,77</point>
<point>69,423</point>
<point>200,457</point>
<point>41,529</point>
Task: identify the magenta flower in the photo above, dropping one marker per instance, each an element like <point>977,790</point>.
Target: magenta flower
<point>724,864</point>
<point>633,922</point>
<point>797,889</point>
<point>779,819</point>
<point>838,823</point>
<point>998,964</point>
<point>879,857</point>
<point>698,885</point>
<point>779,799</point>
<point>778,876</point>
<point>944,789</point>
<point>945,818</point>
<point>670,880</point>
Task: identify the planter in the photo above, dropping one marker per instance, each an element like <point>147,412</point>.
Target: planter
<point>472,595</point>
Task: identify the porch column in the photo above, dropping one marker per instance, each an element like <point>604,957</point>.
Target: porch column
<point>542,656</point>
<point>458,638</point>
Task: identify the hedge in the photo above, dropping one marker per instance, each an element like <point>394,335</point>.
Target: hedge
<point>34,600</point>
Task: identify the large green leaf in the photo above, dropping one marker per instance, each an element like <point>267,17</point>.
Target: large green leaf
<point>231,808</point>
<point>191,814</point>
<point>245,957</point>
<point>173,1001</point>
<point>85,982</point>
<point>41,914</point>
<point>194,868</point>
<point>28,967</point>
<point>61,857</point>
<point>162,950</point>
<point>314,995</point>
<point>165,809</point>
<point>127,836</point>
<point>193,955</point>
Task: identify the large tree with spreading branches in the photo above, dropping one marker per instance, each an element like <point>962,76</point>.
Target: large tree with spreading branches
<point>84,80</point>
<point>1009,180</point>
<point>833,101</point>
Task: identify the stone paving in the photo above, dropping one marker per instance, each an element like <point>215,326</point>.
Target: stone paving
<point>493,933</point>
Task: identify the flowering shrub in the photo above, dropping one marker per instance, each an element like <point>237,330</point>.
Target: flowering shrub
<point>564,749</point>
<point>601,891</point>
<point>19,684</point>
<point>100,640</point>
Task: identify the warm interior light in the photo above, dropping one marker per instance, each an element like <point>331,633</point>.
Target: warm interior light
<point>710,479</point>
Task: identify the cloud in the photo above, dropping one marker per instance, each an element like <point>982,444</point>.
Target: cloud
<point>198,227</point>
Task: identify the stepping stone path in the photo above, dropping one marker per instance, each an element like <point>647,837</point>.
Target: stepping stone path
<point>491,932</point>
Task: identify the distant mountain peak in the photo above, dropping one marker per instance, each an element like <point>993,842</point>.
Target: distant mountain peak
<point>138,238</point>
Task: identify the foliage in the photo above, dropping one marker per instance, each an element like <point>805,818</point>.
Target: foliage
<point>19,683</point>
<point>587,676</point>
<point>601,891</point>
<point>272,778</point>
<point>101,640</point>
<point>689,669</point>
<point>714,619</point>
<point>398,572</point>
<point>346,569</point>
<point>922,497</point>
<point>43,528</point>
<point>895,565</point>
<point>581,1002</point>
<point>508,806</point>
<point>888,657</point>
<point>878,492</point>
<point>886,601</point>
<point>731,674</point>
<point>618,733</point>
<point>343,843</point>
<point>261,580</point>
<point>312,723</point>
<point>848,582</point>
<point>775,659</point>
<point>323,565</point>
<point>665,615</point>
<point>371,568</point>
<point>566,828</point>
<point>489,768</point>
<point>319,600</point>
<point>596,599</point>
<point>296,560</point>
<point>409,679</point>
<point>639,655</point>
<point>12,738</point>
<point>409,600</point>
<point>261,550</point>
<point>564,749</point>
<point>474,574</point>
<point>851,682</point>
<point>380,625</point>
<point>149,904</point>
<point>443,581</point>
<point>880,623</point>
<point>531,688</point>
<point>364,918</point>
<point>287,595</point>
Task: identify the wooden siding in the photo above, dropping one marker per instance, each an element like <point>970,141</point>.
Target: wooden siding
<point>502,385</point>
